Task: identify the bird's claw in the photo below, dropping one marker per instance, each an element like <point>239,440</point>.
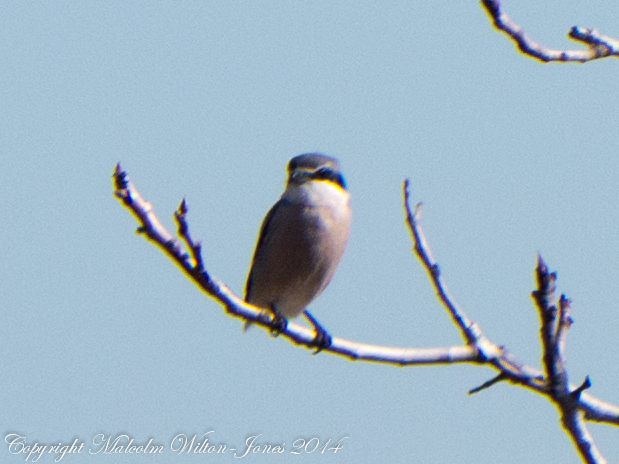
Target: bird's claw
<point>321,341</point>
<point>279,324</point>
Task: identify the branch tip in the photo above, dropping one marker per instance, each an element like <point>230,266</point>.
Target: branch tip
<point>120,178</point>
<point>499,378</point>
<point>182,208</point>
<point>584,386</point>
<point>493,7</point>
<point>565,302</point>
<point>418,210</point>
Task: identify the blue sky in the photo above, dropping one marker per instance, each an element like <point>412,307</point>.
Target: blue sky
<point>208,101</point>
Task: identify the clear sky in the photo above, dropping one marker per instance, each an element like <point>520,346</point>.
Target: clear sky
<point>208,100</point>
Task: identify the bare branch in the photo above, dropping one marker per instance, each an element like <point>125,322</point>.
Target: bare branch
<point>193,267</point>
<point>423,252</point>
<point>544,296</point>
<point>478,348</point>
<point>563,324</point>
<point>599,46</point>
<point>554,334</point>
<point>470,331</point>
<point>183,231</point>
<point>573,423</point>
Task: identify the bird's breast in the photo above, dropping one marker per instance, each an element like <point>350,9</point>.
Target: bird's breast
<point>323,212</point>
<point>306,238</point>
<point>321,194</point>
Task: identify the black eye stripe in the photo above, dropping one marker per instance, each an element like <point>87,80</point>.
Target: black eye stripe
<point>330,175</point>
<point>325,173</point>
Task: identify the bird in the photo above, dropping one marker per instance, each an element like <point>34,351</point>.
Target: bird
<point>301,242</point>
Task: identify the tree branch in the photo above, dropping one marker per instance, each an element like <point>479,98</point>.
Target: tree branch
<point>470,331</point>
<point>477,349</point>
<point>192,265</point>
<point>553,335</point>
<point>599,46</point>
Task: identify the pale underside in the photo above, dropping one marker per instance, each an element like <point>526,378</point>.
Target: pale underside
<point>302,240</point>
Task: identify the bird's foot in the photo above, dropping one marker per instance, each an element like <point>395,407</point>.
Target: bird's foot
<point>279,323</point>
<point>322,339</point>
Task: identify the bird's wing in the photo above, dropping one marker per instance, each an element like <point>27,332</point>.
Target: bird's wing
<point>264,229</point>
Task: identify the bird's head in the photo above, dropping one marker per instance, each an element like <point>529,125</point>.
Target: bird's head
<point>315,167</point>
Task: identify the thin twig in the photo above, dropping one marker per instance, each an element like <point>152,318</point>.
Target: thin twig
<point>423,252</point>
<point>598,45</point>
<point>488,383</point>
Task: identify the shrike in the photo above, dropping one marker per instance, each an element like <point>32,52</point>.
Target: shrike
<point>301,241</point>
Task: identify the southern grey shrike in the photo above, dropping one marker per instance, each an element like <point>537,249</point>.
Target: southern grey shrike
<point>301,241</point>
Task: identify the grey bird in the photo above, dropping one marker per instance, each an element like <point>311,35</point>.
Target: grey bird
<point>301,241</point>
